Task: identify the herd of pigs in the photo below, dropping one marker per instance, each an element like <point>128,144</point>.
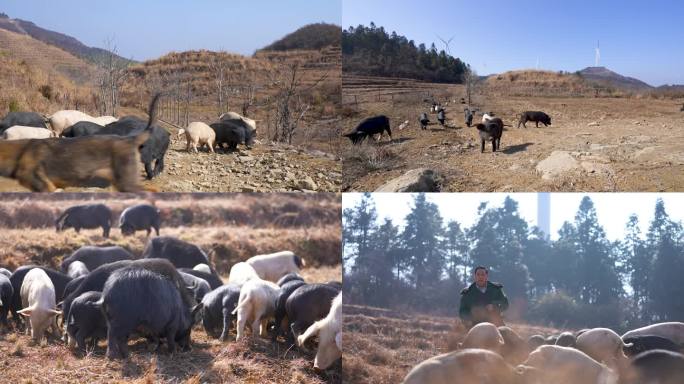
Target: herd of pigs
<point>490,129</point>
<point>107,292</point>
<point>490,354</point>
<point>72,149</point>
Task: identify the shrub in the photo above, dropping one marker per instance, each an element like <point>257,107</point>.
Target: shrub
<point>46,91</point>
<point>14,105</point>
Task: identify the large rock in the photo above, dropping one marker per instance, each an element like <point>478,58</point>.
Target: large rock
<point>556,164</point>
<point>415,180</point>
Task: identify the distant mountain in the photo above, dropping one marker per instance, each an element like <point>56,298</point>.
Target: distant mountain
<point>308,37</point>
<point>672,87</point>
<point>604,75</point>
<point>53,38</point>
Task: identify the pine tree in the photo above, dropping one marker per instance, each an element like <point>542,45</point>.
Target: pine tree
<point>421,240</point>
<point>597,269</point>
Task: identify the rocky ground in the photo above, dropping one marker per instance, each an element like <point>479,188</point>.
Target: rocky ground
<point>267,167</point>
<point>593,144</point>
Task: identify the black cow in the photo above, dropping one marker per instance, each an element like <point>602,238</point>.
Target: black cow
<point>151,151</point>
<point>85,216</point>
<point>491,130</point>
<point>82,128</point>
<point>135,299</point>
<point>369,128</point>
<point>180,253</point>
<point>139,217</point>
<point>93,256</point>
<point>536,116</point>
<point>28,119</point>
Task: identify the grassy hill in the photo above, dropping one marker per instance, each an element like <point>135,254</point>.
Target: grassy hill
<point>541,83</point>
<point>59,40</point>
<point>35,76</point>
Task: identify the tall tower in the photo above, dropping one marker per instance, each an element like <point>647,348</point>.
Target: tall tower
<point>598,55</point>
<point>544,213</point>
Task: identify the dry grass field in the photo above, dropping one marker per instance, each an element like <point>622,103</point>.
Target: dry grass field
<point>229,228</point>
<point>381,346</point>
<point>600,144</point>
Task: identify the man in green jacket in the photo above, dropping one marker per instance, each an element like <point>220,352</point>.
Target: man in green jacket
<point>482,301</point>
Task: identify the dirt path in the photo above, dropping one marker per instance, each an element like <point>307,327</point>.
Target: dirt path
<point>598,144</point>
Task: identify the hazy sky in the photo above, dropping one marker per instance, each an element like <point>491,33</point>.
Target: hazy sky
<point>612,209</point>
<point>642,39</point>
<point>151,28</point>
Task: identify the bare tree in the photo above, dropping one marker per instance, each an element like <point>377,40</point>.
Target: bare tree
<point>248,96</point>
<point>111,75</point>
<point>221,72</point>
<point>470,81</point>
<point>291,107</point>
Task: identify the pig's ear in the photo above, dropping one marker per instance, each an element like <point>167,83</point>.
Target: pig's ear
<point>26,312</point>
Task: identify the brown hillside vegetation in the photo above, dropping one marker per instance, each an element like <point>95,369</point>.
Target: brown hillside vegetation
<point>46,57</point>
<point>535,83</point>
<point>37,77</point>
<point>266,73</point>
<point>381,346</point>
<point>594,143</point>
<point>229,229</point>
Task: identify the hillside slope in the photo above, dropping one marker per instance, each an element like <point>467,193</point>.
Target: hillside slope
<point>56,39</point>
<point>605,76</point>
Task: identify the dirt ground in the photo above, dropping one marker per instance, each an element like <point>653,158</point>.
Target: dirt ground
<point>381,346</point>
<point>598,144</point>
<point>264,168</point>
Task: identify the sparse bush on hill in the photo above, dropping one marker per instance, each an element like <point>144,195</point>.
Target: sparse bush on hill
<point>13,106</point>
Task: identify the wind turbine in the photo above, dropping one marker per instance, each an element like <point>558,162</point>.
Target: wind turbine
<point>598,54</point>
<point>446,43</point>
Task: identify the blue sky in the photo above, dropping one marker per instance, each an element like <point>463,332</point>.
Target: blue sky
<point>151,28</point>
<point>612,209</point>
<point>642,39</point>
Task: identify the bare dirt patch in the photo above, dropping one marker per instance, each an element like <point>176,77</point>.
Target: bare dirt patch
<point>619,144</point>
